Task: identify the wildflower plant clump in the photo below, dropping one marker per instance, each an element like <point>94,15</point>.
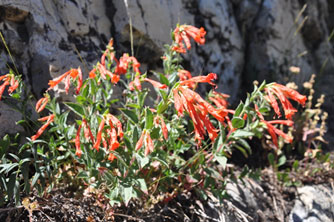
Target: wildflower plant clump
<point>181,141</point>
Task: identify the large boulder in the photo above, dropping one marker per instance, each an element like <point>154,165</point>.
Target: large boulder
<point>246,40</point>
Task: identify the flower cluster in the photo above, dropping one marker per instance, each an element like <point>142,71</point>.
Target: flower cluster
<point>74,74</point>
<point>8,80</point>
<point>121,67</point>
<point>273,131</point>
<point>185,99</point>
<point>283,93</point>
<point>184,33</point>
<point>49,119</point>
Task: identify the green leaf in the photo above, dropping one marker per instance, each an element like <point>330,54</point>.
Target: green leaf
<point>271,159</point>
<point>76,108</point>
<point>142,161</point>
<point>163,79</point>
<point>141,98</point>
<point>127,143</point>
<point>238,122</point>
<point>142,185</point>
<point>85,90</point>
<point>161,160</point>
<point>22,161</point>
<point>172,77</point>
<point>242,134</point>
<point>201,193</point>
<point>35,178</point>
<point>148,119</point>
<point>222,160</point>
<point>130,114</point>
<point>155,133</point>
<point>238,109</point>
<point>8,167</point>
<point>25,173</point>
<point>245,144</point>
<point>82,174</point>
<point>281,161</point>
<point>162,106</point>
<point>133,105</point>
<point>21,122</point>
<point>163,94</point>
<point>17,191</point>
<point>295,165</point>
<point>127,194</point>
<point>264,110</point>
<point>11,185</point>
<point>135,136</point>
<point>24,146</point>
<point>15,157</point>
<point>241,149</point>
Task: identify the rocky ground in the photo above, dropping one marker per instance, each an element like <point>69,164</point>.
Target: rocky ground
<point>250,200</point>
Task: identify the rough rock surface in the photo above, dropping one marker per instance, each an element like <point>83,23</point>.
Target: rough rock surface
<point>8,118</point>
<point>315,204</point>
<point>247,40</point>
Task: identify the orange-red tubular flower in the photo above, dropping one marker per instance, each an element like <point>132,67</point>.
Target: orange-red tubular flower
<point>219,99</point>
<point>4,77</point>
<point>102,69</point>
<point>2,88</point>
<point>8,79</point>
<point>113,144</point>
<point>111,157</point>
<point>283,93</point>
<point>177,102</point>
<point>79,81</point>
<point>197,79</point>
<point>164,128</point>
<point>135,84</point>
<point>139,143</point>
<point>92,74</point>
<point>99,135</point>
<point>149,146</point>
<point>117,123</point>
<point>289,110</point>
<point>192,96</point>
<point>78,151</point>
<point>108,50</point>
<point>292,94</point>
<point>273,131</point>
<point>198,109</point>
<point>184,33</point>
<point>48,119</point>
<point>87,132</point>
<point>159,119</point>
<point>272,100</point>
<point>73,73</point>
<point>184,74</point>
<point>124,62</point>
<point>13,85</point>
<point>41,103</point>
<point>156,84</point>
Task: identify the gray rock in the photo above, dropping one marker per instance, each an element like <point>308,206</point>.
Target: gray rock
<point>314,204</point>
<point>8,118</point>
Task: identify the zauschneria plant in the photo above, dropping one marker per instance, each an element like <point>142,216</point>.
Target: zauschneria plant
<point>145,151</point>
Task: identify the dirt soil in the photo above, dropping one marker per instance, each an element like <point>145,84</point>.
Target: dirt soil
<point>61,205</point>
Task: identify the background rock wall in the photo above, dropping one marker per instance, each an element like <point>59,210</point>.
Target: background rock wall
<point>246,40</point>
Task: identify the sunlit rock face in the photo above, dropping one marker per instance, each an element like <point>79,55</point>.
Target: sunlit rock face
<point>246,40</point>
